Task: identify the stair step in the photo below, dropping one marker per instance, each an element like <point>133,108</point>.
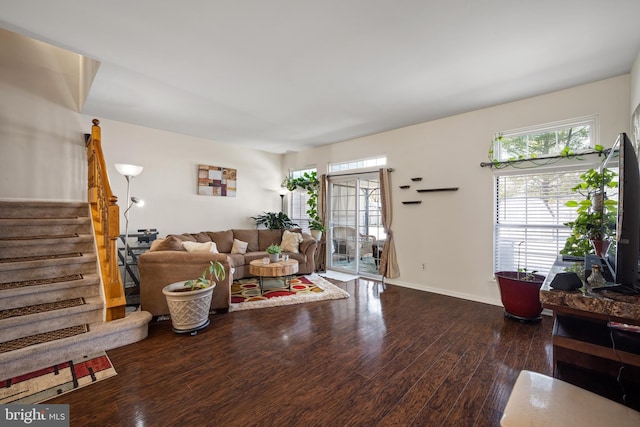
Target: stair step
<point>40,308</point>
<point>40,257</point>
<point>102,336</point>
<point>18,294</point>
<point>18,271</point>
<point>43,338</point>
<point>43,227</point>
<point>43,209</point>
<point>49,317</point>
<point>45,245</point>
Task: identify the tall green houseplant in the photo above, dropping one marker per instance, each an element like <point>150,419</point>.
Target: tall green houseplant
<point>596,219</point>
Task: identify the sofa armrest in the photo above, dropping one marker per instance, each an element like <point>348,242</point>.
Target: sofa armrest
<point>160,268</point>
<point>308,245</point>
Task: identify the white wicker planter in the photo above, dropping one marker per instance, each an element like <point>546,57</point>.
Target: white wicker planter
<point>189,309</point>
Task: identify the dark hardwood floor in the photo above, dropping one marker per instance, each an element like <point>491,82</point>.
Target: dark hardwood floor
<point>387,356</point>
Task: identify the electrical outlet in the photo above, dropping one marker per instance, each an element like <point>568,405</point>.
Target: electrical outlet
<point>422,267</point>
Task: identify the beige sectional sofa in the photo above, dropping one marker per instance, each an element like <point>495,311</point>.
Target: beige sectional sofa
<point>168,261</point>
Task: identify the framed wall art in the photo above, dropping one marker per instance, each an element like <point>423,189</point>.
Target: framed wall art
<point>216,181</point>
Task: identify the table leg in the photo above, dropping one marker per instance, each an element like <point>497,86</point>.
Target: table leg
<point>260,279</point>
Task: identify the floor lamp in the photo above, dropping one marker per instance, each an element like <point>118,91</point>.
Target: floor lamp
<point>128,171</point>
<point>283,192</point>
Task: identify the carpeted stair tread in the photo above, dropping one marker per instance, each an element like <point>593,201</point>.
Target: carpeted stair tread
<point>41,308</point>
<point>46,236</point>
<point>40,257</point>
<point>42,338</point>
<point>38,282</point>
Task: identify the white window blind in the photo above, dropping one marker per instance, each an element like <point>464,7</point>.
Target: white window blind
<point>530,213</point>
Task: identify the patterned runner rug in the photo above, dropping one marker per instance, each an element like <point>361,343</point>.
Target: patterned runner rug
<point>245,293</point>
<point>58,379</point>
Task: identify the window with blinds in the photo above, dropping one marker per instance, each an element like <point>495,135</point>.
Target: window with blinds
<point>530,210</point>
<point>298,203</point>
<point>530,213</point>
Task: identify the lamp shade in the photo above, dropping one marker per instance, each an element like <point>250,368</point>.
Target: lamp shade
<point>128,170</point>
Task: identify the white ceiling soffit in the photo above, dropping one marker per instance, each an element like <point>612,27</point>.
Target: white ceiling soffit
<point>286,75</point>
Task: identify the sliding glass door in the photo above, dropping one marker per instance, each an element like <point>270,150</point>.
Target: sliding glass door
<point>355,235</point>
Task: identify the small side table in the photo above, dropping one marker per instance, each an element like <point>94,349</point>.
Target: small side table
<point>284,269</point>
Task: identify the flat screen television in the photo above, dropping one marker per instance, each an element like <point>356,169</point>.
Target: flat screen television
<point>625,251</point>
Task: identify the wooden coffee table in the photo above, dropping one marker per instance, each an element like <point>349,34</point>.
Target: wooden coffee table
<point>284,269</point>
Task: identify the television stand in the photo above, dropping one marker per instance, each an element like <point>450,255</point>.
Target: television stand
<point>582,335</point>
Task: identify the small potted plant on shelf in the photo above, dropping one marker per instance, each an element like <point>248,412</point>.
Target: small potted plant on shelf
<point>190,302</point>
<point>274,253</point>
<point>520,293</point>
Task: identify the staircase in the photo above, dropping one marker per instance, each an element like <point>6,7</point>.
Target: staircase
<point>51,297</point>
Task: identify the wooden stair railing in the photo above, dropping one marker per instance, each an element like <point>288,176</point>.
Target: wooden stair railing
<point>106,224</point>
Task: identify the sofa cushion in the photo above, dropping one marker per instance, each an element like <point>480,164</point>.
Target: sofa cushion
<point>222,239</point>
<point>267,238</point>
<point>239,247</point>
<point>249,236</point>
<point>200,247</point>
<point>291,241</point>
<point>171,243</point>
<point>202,237</point>
<point>252,256</point>
<point>236,260</point>
<point>186,237</point>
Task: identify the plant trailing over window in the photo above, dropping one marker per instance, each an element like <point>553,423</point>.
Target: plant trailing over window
<point>531,159</point>
<point>310,183</point>
<point>597,215</point>
<point>274,221</point>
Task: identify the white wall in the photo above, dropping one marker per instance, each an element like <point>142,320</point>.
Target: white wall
<point>43,155</point>
<point>168,183</point>
<point>452,233</point>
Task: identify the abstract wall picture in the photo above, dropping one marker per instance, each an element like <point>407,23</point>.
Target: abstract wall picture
<point>216,181</point>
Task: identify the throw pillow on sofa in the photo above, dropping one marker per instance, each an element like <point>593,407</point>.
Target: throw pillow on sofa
<point>291,242</point>
<point>239,247</point>
<point>171,243</point>
<point>200,247</point>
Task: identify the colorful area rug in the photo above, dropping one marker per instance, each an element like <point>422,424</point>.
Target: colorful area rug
<point>58,379</point>
<point>245,293</point>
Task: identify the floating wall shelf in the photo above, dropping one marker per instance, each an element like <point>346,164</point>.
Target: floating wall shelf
<point>404,187</point>
<point>428,190</point>
<point>412,202</point>
<point>416,179</point>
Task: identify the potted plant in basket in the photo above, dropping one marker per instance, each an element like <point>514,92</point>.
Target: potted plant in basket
<point>520,293</point>
<point>189,302</point>
<point>274,253</point>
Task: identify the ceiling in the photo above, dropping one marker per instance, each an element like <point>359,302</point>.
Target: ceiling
<point>287,75</point>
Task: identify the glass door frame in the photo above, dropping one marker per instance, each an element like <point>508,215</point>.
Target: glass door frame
<point>355,224</point>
